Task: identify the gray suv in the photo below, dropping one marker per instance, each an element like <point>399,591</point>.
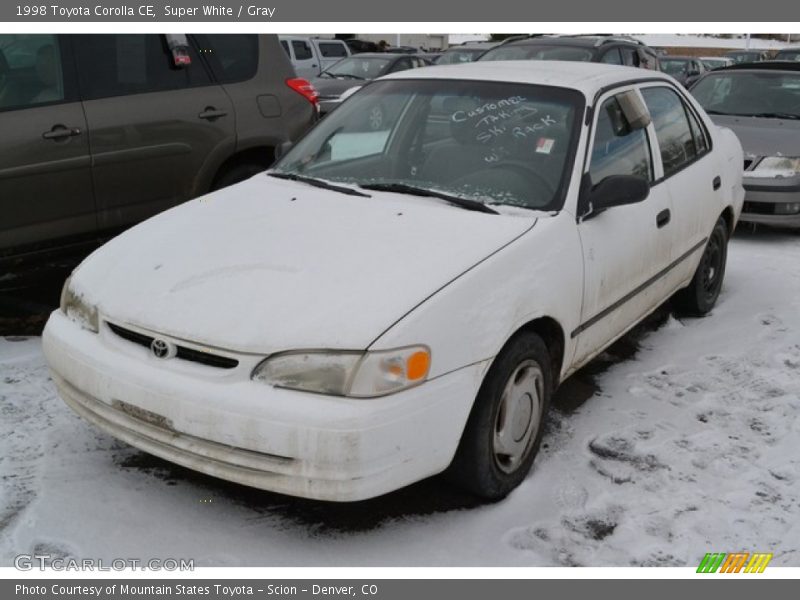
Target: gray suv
<point>100,132</point>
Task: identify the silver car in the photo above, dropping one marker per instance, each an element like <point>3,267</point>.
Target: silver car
<point>760,102</point>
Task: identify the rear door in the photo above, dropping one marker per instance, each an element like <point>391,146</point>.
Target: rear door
<point>306,62</point>
<point>45,178</point>
<point>690,174</point>
<point>626,248</point>
<point>330,52</point>
<point>154,128</point>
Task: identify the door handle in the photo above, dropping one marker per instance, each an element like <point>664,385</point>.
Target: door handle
<point>59,132</point>
<point>663,218</point>
<point>211,113</point>
<point>717,183</point>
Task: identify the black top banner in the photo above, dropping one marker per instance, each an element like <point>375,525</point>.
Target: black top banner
<point>477,11</point>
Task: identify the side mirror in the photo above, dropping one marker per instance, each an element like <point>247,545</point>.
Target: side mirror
<point>634,110</point>
<point>282,149</point>
<point>616,190</point>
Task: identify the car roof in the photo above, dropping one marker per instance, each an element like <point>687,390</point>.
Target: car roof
<point>586,77</point>
<point>379,55</point>
<point>586,41</point>
<point>764,65</point>
<point>682,57</point>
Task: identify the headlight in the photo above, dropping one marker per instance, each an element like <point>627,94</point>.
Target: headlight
<point>781,166</point>
<point>353,374</point>
<point>76,308</point>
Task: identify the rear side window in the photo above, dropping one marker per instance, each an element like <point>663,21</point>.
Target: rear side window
<point>30,71</point>
<point>332,50</point>
<point>302,50</point>
<point>231,57</point>
<point>671,121</point>
<point>630,57</point>
<point>618,150</point>
<point>121,65</point>
<point>612,57</point>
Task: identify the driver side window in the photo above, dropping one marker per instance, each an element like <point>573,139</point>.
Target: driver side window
<point>617,149</point>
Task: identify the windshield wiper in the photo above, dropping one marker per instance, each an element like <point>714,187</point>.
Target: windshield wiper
<point>347,76</point>
<point>320,183</point>
<point>404,188</point>
<point>774,115</point>
<point>764,115</point>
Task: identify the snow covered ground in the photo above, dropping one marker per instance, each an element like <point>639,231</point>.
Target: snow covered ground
<point>690,445</point>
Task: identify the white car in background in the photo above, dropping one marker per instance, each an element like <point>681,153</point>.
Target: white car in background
<point>386,305</point>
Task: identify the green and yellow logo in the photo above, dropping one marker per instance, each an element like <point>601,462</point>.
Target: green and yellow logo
<point>744,562</point>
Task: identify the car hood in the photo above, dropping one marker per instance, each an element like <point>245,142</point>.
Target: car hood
<point>763,137</point>
<point>334,87</point>
<point>270,265</point>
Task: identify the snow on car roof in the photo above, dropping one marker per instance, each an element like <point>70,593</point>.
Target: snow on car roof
<point>585,77</point>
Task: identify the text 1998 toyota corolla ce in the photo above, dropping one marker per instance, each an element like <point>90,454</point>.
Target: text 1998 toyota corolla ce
<point>387,304</point>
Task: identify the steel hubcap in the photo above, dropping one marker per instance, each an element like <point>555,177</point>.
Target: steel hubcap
<point>518,416</point>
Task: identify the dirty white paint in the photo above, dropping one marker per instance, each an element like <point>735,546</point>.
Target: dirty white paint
<point>689,447</point>
<point>271,265</point>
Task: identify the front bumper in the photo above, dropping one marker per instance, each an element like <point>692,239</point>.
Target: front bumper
<point>227,426</point>
<point>762,199</point>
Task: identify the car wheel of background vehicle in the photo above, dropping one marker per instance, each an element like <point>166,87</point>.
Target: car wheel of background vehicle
<point>236,174</point>
<point>505,427</point>
<point>701,295</point>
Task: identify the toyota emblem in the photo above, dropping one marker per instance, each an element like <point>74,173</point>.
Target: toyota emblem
<point>161,349</point>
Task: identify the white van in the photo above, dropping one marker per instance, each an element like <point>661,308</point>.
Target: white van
<point>310,56</point>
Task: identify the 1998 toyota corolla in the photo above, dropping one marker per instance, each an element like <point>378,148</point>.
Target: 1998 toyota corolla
<point>386,305</point>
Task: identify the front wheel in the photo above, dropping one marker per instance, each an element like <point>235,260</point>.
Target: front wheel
<point>505,428</point>
<point>701,295</point>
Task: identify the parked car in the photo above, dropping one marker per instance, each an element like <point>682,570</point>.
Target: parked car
<point>747,56</point>
<point>311,56</point>
<point>383,306</point>
<point>788,54</point>
<point>615,50</point>
<point>686,69</point>
<point>431,57</point>
<point>358,46</point>
<point>760,102</point>
<point>100,132</point>
<point>467,52</point>
<point>355,71</point>
<point>716,62</point>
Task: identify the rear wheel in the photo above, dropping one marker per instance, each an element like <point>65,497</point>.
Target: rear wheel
<point>505,428</point>
<point>701,295</point>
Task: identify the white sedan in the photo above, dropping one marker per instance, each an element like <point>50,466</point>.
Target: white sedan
<point>384,305</point>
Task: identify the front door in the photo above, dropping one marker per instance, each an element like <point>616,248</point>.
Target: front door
<point>625,247</point>
<point>153,127</point>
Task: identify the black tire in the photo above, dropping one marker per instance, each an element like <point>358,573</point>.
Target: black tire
<point>701,295</point>
<point>479,465</point>
<point>236,174</point>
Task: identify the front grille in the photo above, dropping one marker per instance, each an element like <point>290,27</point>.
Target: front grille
<point>182,352</point>
<point>759,208</point>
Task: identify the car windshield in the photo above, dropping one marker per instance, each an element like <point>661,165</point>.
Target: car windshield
<point>768,94</point>
<point>488,142</point>
<point>462,55</point>
<point>741,57</point>
<point>674,66</point>
<point>539,52</point>
<point>714,63</point>
<point>359,68</point>
<point>788,55</point>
